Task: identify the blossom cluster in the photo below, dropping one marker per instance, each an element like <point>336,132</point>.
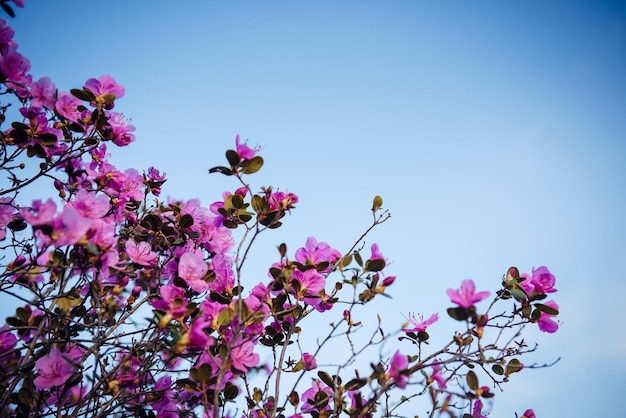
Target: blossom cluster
<point>89,263</point>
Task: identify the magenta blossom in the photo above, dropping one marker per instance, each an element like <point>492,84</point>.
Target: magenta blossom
<point>376,254</point>
<point>466,296</point>
<point>545,322</point>
<point>192,268</point>
<point>308,397</point>
<point>243,356</point>
<point>244,151</point>
<point>141,253</point>
<point>529,413</point>
<point>43,93</point>
<point>54,369</point>
<point>397,366</point>
<point>67,106</point>
<point>101,88</point>
<point>172,301</point>
<point>7,213</point>
<point>315,252</point>
<point>478,409</point>
<point>421,324</point>
<point>308,362</point>
<point>438,376</point>
<point>543,280</point>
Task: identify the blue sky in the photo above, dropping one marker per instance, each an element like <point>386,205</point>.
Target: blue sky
<point>495,132</point>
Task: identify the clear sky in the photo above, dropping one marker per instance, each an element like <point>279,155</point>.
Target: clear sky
<point>494,130</point>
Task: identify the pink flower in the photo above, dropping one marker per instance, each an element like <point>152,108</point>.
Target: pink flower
<point>40,213</point>
<point>466,297</point>
<point>397,365</point>
<point>192,268</point>
<point>172,301</point>
<point>478,408</point>
<point>198,338</point>
<point>529,413</point>
<point>545,322</point>
<point>6,36</point>
<point>118,130</point>
<point>67,106</point>
<point>14,65</point>
<point>543,280</point>
<point>103,86</point>
<point>311,284</point>
<point>7,213</point>
<point>165,406</point>
<point>438,376</point>
<point>315,253</point>
<point>243,356</point>
<point>281,201</point>
<point>42,92</point>
<point>308,397</point>
<point>69,227</point>
<point>7,345</point>
<point>376,254</point>
<point>141,253</point>
<point>309,362</point>
<point>244,151</point>
<point>420,325</point>
<point>53,370</point>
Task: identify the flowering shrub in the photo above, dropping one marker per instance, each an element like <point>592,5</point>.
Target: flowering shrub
<point>86,267</point>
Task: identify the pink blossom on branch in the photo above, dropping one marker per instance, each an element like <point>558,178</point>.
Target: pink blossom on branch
<point>545,322</point>
<point>315,252</point>
<point>141,253</point>
<point>421,324</point>
<point>376,254</point>
<point>192,268</point>
<point>43,93</point>
<point>466,296</point>
<point>397,365</point>
<point>54,368</point>
<point>244,151</point>
<point>543,280</point>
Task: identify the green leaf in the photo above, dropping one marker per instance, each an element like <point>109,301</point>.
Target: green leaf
<point>233,158</point>
<point>202,374</point>
<point>326,378</point>
<point>460,314</point>
<point>20,126</point>
<point>109,98</point>
<point>17,225</point>
<point>185,221</point>
<point>236,200</point>
<point>375,265</point>
<point>252,165</point>
<point>221,169</point>
<point>546,309</point>
<point>497,369</point>
<point>359,260</point>
<point>225,317</point>
<point>47,139</point>
<point>472,380</point>
<point>219,298</point>
<point>230,391</point>
<point>518,294</point>
<point>259,204</point>
<point>84,95</point>
<point>514,366</point>
<point>355,384</point>
<point>8,10</point>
